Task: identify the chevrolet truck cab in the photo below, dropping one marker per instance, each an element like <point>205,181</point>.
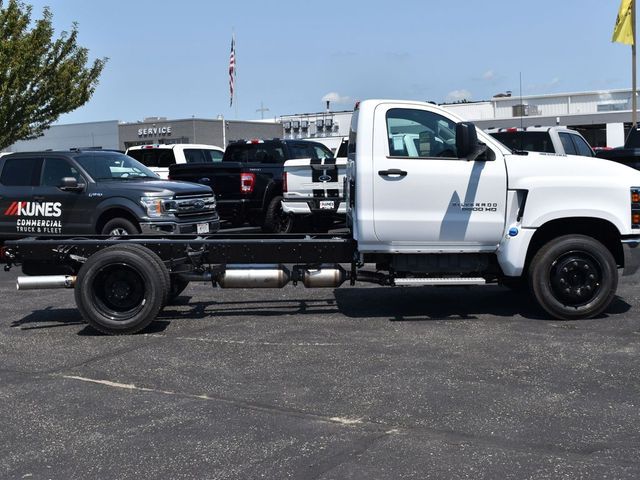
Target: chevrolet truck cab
<point>461,206</point>
<point>93,192</point>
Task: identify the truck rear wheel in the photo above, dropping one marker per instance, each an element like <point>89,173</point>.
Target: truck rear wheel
<point>275,219</point>
<point>573,277</point>
<point>151,256</point>
<point>120,290</point>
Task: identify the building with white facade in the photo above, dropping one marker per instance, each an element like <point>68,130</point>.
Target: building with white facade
<point>602,117</point>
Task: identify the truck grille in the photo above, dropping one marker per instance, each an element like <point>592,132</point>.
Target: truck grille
<point>195,205</point>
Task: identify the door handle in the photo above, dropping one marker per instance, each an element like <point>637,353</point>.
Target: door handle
<point>394,172</point>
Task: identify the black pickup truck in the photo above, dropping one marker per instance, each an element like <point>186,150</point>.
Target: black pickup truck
<point>248,182</point>
<point>97,192</point>
<point>629,154</point>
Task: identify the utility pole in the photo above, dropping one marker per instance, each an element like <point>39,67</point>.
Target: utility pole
<point>634,95</point>
<point>262,109</point>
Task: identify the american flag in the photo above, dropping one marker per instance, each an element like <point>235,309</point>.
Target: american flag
<point>232,68</point>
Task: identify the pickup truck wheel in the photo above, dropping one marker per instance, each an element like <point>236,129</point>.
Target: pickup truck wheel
<point>573,277</point>
<point>118,227</point>
<point>120,290</point>
<point>276,220</point>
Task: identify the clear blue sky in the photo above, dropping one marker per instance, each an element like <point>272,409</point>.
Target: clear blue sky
<point>170,58</point>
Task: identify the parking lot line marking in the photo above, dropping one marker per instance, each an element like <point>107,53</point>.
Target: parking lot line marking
<point>265,344</point>
<point>349,422</point>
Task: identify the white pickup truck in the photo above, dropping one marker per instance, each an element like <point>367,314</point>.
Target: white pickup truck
<point>313,189</point>
<point>159,157</point>
<point>456,208</point>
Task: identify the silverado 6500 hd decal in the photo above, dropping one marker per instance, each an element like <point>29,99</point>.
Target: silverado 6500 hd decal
<point>36,217</point>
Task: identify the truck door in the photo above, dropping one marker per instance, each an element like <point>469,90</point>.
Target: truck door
<point>423,194</point>
<point>19,175</point>
<point>71,211</point>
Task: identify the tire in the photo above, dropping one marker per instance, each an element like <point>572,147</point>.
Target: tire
<point>120,290</point>
<point>573,277</point>
<point>118,227</point>
<point>152,257</point>
<point>275,219</point>
<point>177,286</point>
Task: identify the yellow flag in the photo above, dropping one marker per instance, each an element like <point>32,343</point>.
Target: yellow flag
<point>623,31</point>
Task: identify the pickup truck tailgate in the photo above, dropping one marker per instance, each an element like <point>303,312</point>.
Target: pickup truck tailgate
<point>318,182</point>
<point>223,177</point>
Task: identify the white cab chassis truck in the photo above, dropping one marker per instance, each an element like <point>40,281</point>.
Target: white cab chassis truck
<point>430,199</point>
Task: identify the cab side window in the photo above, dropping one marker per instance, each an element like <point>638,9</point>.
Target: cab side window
<point>55,169</point>
<point>569,147</point>
<point>582,146</point>
<point>420,134</point>
<point>166,158</point>
<point>20,172</point>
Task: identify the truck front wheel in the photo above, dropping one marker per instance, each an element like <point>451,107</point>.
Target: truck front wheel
<point>118,227</point>
<point>573,277</point>
<point>121,290</point>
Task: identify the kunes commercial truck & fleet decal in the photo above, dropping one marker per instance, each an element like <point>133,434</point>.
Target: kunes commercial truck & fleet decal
<point>36,217</point>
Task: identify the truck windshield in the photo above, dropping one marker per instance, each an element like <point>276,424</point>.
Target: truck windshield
<point>530,141</point>
<point>113,166</point>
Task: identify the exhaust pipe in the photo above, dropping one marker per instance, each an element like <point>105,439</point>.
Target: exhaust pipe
<point>45,282</point>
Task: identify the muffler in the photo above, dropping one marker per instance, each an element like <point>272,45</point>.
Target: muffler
<point>253,276</point>
<point>45,282</point>
<point>326,276</point>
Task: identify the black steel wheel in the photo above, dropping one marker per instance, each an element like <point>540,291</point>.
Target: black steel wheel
<point>152,257</point>
<point>120,290</point>
<point>276,220</point>
<point>573,277</point>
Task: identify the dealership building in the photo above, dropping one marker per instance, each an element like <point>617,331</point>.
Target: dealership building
<point>120,135</point>
<point>603,118</point>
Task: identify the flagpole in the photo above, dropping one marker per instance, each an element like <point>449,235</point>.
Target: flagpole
<point>634,98</point>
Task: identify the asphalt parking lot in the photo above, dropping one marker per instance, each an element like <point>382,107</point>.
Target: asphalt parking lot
<point>351,383</point>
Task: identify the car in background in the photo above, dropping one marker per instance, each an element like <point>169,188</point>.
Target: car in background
<point>556,140</point>
<point>159,157</point>
<point>628,155</point>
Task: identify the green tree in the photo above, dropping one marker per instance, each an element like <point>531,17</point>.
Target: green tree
<point>41,77</point>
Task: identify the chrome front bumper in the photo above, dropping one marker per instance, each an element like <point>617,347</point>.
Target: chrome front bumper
<point>631,249</point>
<point>191,228</point>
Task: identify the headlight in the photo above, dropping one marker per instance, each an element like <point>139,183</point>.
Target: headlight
<point>159,206</point>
